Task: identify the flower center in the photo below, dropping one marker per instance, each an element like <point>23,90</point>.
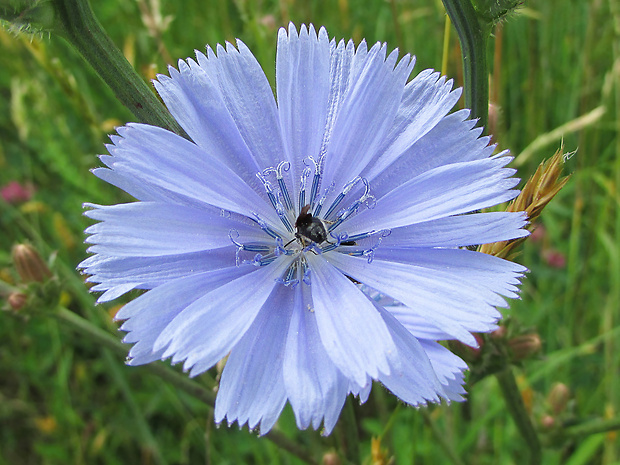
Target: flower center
<point>304,227</point>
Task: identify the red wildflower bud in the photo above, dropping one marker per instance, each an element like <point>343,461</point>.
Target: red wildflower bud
<point>15,193</point>
<point>554,258</point>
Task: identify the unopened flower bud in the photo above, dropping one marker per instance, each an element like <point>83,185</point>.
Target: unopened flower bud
<point>17,300</point>
<point>554,258</point>
<point>15,193</point>
<point>29,264</point>
<point>467,353</point>
<point>525,346</point>
<point>499,333</point>
<point>558,397</point>
<point>331,458</point>
<point>547,422</point>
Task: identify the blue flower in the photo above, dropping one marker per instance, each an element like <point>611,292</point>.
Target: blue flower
<point>317,238</point>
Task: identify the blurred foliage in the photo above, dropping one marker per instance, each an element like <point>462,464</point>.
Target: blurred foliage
<point>65,400</point>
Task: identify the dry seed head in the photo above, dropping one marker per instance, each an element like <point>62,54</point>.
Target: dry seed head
<point>535,195</point>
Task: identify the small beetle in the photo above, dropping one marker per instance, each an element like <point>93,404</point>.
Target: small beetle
<point>313,228</point>
<point>310,227</point>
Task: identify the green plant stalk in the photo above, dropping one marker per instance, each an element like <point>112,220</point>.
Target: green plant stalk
<point>348,434</point>
<point>518,412</point>
<point>76,22</point>
<point>440,437</point>
<point>592,427</point>
<point>473,34</point>
<point>140,421</point>
<point>473,37</point>
<point>108,341</point>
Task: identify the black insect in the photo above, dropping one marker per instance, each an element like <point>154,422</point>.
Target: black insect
<point>310,227</point>
<point>313,228</point>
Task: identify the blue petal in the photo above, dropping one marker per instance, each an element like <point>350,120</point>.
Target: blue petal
<point>415,324</point>
<point>365,116</point>
<point>453,140</point>
<point>315,388</point>
<point>350,327</point>
<point>449,368</point>
<point>206,331</point>
<point>197,103</point>
<point>362,392</point>
<point>342,60</point>
<point>441,297</point>
<point>444,191</point>
<point>148,155</point>
<point>460,231</point>
<point>303,89</point>
<point>148,315</point>
<point>427,99</point>
<point>412,377</point>
<point>252,386</point>
<point>478,273</point>
<point>126,273</point>
<point>156,229</point>
<point>249,99</point>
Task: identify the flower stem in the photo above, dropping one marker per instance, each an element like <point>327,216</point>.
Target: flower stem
<point>108,341</point>
<point>473,36</point>
<point>440,437</point>
<point>516,407</point>
<point>592,427</point>
<point>76,22</point>
<point>348,434</point>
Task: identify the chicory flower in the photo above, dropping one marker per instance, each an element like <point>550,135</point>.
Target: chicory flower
<point>318,239</point>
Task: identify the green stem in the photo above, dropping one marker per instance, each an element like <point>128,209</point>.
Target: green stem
<point>440,437</point>
<point>518,412</point>
<point>76,22</point>
<point>347,432</point>
<point>592,427</point>
<point>473,37</point>
<point>290,446</point>
<point>139,419</point>
<point>107,340</point>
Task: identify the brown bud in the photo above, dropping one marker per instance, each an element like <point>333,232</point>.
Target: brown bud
<point>331,458</point>
<point>17,300</point>
<point>499,333</point>
<point>29,264</point>
<point>558,397</point>
<point>468,353</point>
<point>547,422</point>
<point>525,346</point>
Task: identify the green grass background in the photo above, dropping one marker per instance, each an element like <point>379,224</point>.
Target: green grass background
<point>64,400</point>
